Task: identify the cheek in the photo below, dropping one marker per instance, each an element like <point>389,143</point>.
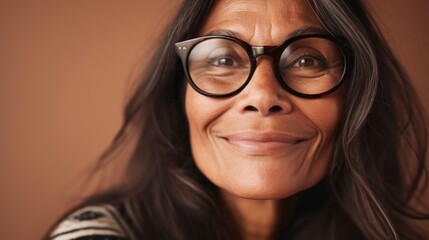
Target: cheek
<point>202,112</point>
<point>325,116</point>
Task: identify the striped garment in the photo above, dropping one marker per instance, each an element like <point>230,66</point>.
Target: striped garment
<point>93,223</point>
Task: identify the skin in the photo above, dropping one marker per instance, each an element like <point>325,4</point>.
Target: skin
<point>263,144</point>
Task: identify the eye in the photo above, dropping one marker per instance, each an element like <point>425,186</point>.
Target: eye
<point>224,61</point>
<point>307,61</point>
<point>304,64</point>
<point>225,57</point>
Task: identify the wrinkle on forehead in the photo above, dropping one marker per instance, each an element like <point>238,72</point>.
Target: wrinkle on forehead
<point>261,22</point>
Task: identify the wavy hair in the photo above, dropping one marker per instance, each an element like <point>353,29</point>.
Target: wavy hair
<point>377,167</point>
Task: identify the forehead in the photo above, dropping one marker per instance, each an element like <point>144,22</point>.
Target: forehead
<point>261,22</point>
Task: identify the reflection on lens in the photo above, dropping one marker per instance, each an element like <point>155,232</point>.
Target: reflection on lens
<point>312,65</point>
<point>218,66</point>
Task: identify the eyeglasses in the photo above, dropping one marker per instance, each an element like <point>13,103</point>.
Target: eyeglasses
<point>307,66</point>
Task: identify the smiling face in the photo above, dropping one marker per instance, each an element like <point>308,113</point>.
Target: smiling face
<point>264,142</point>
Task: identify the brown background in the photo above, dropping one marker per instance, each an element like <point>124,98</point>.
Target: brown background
<point>65,67</point>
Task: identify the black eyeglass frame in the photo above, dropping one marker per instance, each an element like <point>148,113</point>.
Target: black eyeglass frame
<point>184,48</point>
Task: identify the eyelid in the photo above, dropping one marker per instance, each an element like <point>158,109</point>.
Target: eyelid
<point>227,52</point>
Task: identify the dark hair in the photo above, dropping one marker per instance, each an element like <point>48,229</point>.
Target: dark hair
<point>377,165</point>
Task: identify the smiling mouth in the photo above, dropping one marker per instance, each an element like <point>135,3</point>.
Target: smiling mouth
<point>263,143</point>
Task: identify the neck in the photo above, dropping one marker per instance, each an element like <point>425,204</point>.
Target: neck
<point>256,219</point>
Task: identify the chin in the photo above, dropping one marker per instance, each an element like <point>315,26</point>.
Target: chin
<point>269,188</point>
<point>263,192</point>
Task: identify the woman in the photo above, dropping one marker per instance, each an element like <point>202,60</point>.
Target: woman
<point>266,120</point>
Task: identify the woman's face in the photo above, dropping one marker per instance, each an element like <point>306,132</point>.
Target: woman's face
<point>263,143</point>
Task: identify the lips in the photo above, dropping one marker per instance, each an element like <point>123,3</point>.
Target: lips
<point>266,143</point>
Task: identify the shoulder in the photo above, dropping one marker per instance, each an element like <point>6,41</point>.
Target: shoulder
<point>91,223</point>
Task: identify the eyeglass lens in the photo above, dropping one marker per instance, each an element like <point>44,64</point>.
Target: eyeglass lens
<point>309,65</point>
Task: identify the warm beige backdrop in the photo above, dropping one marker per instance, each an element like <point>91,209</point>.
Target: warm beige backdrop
<point>64,71</point>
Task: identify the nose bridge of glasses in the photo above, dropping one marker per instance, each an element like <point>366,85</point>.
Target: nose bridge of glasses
<point>268,53</point>
<point>263,50</point>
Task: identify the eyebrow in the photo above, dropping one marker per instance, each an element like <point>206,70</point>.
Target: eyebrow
<point>226,32</point>
<point>296,32</point>
<point>307,30</point>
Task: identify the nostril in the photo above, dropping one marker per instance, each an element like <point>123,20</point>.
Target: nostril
<point>250,108</point>
<point>275,108</point>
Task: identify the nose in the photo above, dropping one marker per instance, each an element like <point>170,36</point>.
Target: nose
<point>263,94</point>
